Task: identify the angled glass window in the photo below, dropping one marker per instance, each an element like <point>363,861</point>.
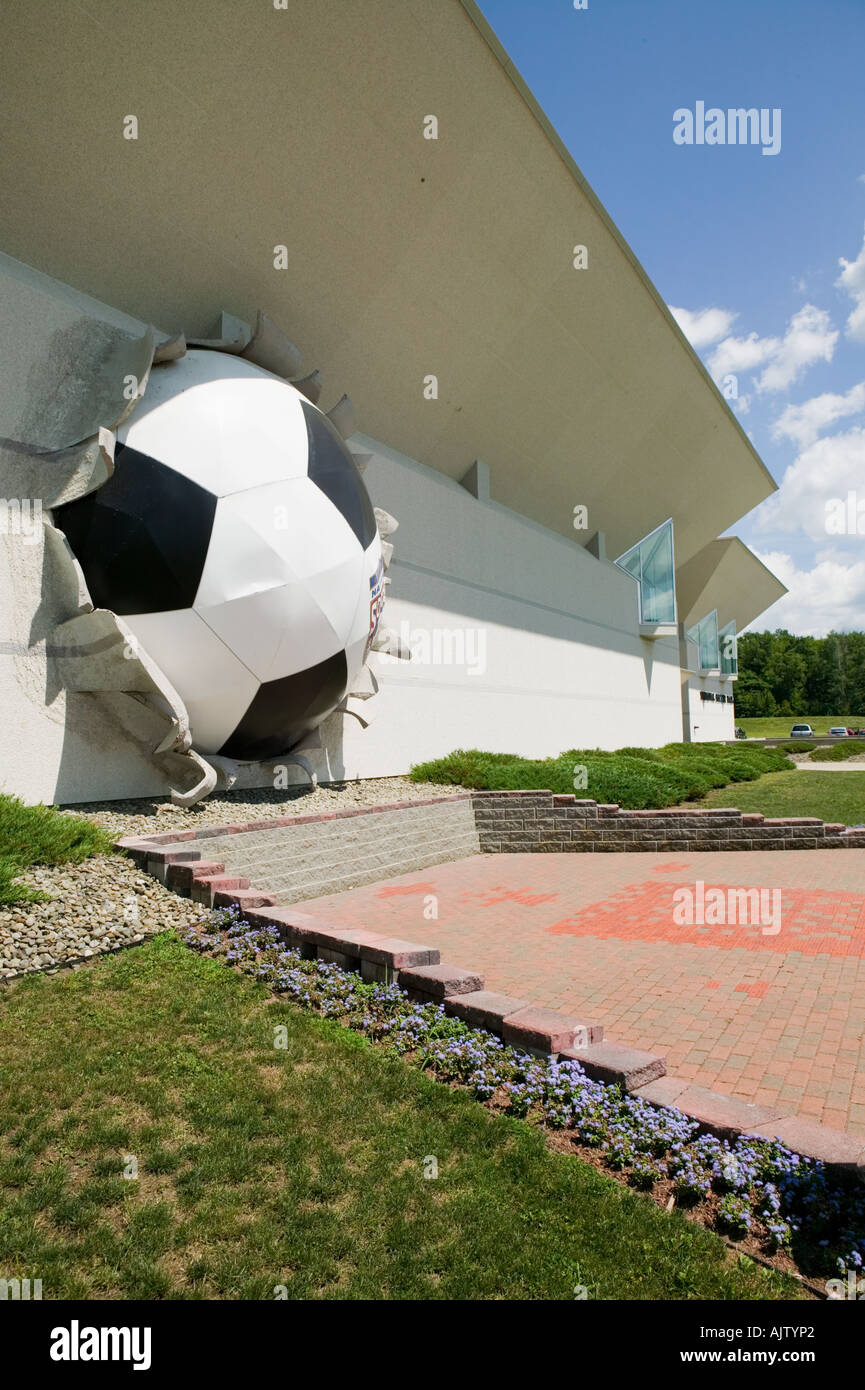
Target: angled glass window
<point>705,634</point>
<point>729,653</point>
<point>650,562</point>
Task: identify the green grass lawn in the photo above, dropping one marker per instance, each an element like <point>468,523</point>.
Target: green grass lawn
<point>779,726</point>
<point>301,1167</point>
<point>831,796</point>
<point>41,835</point>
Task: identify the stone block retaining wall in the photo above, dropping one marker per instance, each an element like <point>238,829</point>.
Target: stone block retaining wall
<point>541,822</point>
<point>297,858</point>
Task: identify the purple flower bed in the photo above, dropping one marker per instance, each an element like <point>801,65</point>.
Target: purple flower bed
<point>761,1188</point>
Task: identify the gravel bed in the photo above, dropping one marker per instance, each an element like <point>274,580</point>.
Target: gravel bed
<point>152,815</point>
<point>96,906</point>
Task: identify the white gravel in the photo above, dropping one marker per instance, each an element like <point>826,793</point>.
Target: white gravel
<point>151,815</point>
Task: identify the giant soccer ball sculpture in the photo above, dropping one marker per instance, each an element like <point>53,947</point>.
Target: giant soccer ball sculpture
<point>237,542</point>
<point>211,576</point>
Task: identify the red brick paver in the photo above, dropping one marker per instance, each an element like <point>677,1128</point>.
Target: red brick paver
<point>775,1019</point>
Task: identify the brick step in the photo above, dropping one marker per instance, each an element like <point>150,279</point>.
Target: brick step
<point>204,888</point>
<point>543,1032</point>
<point>432,983</point>
<point>546,1032</point>
<point>242,898</point>
<point>615,1064</point>
<point>180,877</point>
<point>158,862</point>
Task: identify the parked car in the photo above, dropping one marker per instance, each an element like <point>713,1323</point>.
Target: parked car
<point>838,733</point>
<point>801,731</point>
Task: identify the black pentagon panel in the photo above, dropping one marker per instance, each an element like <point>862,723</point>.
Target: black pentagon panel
<point>332,468</point>
<point>142,538</point>
<point>285,710</point>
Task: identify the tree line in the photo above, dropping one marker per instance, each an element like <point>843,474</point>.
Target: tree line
<point>782,674</point>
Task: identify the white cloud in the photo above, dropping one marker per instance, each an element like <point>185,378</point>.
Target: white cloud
<point>809,338</point>
<point>830,596</point>
<point>703,326</point>
<point>804,422</point>
<point>827,469</point>
<point>741,354</point>
<point>852,279</point>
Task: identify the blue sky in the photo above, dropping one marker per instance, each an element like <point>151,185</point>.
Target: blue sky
<point>762,257</point>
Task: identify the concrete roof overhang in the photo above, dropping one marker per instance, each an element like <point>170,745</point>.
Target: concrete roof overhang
<point>407,257</point>
<point>728,576</point>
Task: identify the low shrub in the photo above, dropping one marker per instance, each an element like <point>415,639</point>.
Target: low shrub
<point>634,778</point>
<point>41,835</point>
<point>838,752</point>
<point>11,891</point>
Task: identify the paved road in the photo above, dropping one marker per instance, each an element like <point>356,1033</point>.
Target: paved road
<point>762,1015</point>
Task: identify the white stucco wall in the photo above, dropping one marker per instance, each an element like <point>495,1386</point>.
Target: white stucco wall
<point>524,641</point>
<point>551,656</point>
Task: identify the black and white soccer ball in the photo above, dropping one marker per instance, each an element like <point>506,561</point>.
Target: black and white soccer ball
<point>237,541</point>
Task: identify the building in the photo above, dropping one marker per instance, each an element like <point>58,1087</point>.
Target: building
<point>379,180</point>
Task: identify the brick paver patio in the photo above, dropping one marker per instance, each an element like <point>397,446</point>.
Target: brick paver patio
<point>768,1018</point>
